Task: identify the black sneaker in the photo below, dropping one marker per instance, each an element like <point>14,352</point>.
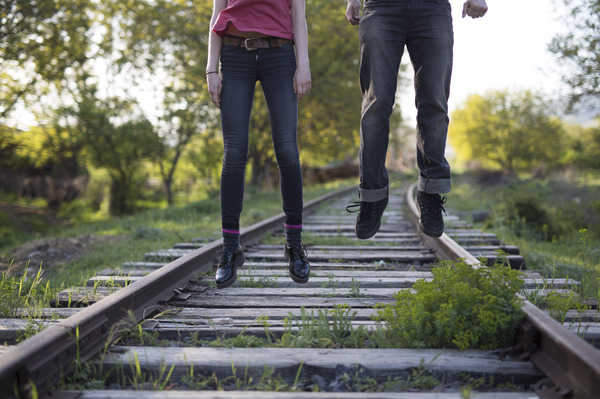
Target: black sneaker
<point>430,207</point>
<point>299,269</point>
<point>368,219</point>
<point>227,269</point>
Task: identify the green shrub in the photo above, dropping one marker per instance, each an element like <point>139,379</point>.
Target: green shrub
<point>460,308</point>
<point>528,209</point>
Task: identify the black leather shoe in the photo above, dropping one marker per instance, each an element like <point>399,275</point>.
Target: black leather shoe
<point>227,269</point>
<point>299,269</point>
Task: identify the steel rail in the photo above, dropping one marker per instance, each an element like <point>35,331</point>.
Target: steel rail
<point>570,362</point>
<point>40,361</point>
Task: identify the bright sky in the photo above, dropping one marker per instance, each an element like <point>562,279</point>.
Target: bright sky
<point>505,49</point>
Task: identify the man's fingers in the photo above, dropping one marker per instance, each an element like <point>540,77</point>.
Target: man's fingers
<point>353,14</point>
<point>354,20</point>
<point>474,10</point>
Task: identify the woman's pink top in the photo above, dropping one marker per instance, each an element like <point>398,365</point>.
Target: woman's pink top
<point>269,17</point>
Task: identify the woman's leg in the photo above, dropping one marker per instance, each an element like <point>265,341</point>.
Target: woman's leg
<point>239,81</point>
<point>276,77</point>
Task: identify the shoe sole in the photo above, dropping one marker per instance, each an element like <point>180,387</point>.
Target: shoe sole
<point>240,261</point>
<point>370,234</point>
<point>295,278</point>
<point>434,234</point>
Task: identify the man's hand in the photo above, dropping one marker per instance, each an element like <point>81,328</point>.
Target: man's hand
<point>353,12</point>
<point>473,8</point>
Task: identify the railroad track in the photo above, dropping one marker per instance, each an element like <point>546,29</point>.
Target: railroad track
<point>171,298</point>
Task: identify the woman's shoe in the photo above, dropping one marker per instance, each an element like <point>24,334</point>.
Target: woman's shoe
<point>227,269</point>
<point>299,269</point>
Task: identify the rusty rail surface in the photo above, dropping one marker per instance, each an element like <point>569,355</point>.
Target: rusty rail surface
<point>571,363</point>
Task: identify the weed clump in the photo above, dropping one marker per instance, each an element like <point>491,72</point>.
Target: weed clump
<point>461,308</point>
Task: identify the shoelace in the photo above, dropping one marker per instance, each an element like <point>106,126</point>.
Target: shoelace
<point>355,204</point>
<point>372,208</point>
<point>429,204</point>
<point>298,253</point>
<point>225,258</point>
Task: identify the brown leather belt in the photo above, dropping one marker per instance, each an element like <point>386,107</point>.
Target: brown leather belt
<point>253,43</point>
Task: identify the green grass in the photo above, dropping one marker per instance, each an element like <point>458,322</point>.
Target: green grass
<point>10,234</point>
<point>23,292</point>
<point>140,233</point>
<point>555,222</point>
<point>562,242</point>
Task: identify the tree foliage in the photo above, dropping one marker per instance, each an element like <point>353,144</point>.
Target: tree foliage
<point>330,115</point>
<point>509,131</point>
<point>118,141</point>
<point>51,51</point>
<point>167,39</point>
<point>42,43</point>
<point>42,150</point>
<point>579,50</point>
<point>583,149</point>
<point>172,36</point>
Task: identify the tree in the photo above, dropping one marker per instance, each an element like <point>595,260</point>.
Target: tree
<point>329,119</point>
<point>205,155</point>
<point>171,36</point>
<point>509,131</point>
<point>118,141</point>
<point>42,43</point>
<point>583,149</point>
<point>49,47</point>
<point>167,38</point>
<point>579,50</point>
<point>42,162</point>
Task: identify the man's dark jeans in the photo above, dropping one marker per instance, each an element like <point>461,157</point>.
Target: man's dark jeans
<point>274,68</point>
<point>425,28</point>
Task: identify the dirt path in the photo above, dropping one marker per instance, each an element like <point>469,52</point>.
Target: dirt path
<point>20,214</point>
<point>48,252</point>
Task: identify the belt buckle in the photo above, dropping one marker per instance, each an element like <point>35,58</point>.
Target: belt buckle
<point>246,44</point>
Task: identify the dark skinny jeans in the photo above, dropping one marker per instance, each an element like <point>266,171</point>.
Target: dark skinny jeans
<point>274,68</point>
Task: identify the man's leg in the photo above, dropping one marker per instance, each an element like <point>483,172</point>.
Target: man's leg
<point>430,48</point>
<point>382,36</point>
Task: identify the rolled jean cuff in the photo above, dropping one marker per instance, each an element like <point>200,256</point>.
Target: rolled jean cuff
<point>373,195</point>
<point>434,186</point>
